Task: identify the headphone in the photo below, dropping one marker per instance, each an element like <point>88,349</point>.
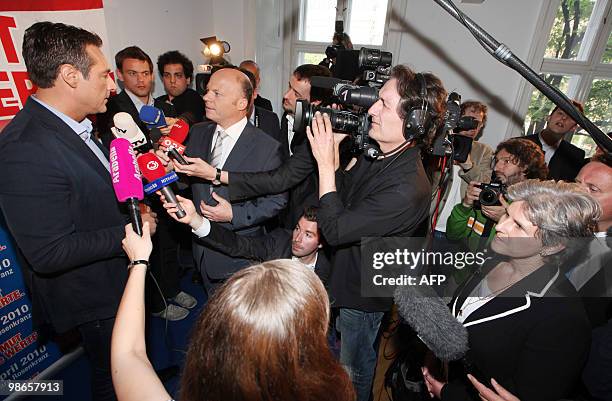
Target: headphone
<point>418,119</point>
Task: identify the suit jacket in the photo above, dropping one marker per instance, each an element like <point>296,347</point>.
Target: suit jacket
<point>116,104</point>
<point>60,207</point>
<point>533,337</point>
<point>565,163</point>
<point>263,103</point>
<point>267,121</point>
<point>254,151</point>
<point>274,245</point>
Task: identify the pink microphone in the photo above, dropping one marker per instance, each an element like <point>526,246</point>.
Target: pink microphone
<point>127,182</point>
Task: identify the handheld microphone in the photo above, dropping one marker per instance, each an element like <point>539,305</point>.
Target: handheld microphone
<point>153,170</point>
<point>174,141</point>
<point>125,127</point>
<point>152,116</point>
<point>126,179</point>
<point>432,320</point>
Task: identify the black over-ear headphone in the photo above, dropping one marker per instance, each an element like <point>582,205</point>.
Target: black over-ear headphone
<point>418,119</point>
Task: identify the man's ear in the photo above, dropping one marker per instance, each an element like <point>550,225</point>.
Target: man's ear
<point>69,74</point>
<point>243,104</point>
<point>119,75</point>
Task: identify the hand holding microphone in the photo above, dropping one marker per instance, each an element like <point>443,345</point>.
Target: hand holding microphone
<point>173,142</point>
<point>153,170</point>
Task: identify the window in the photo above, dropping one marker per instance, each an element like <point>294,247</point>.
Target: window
<point>577,61</point>
<point>365,21</point>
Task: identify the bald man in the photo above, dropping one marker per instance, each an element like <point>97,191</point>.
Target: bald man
<point>229,142</point>
<point>260,101</point>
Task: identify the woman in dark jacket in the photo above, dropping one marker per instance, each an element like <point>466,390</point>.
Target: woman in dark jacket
<point>527,327</point>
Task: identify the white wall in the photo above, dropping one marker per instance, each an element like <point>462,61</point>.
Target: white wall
<point>425,36</point>
<point>157,26</point>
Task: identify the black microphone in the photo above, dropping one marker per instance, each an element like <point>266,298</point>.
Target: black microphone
<point>432,320</point>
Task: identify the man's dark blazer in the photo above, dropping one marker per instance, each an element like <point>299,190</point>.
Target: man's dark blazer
<point>254,151</point>
<point>533,337</point>
<point>263,103</point>
<point>188,106</point>
<point>565,163</point>
<point>267,121</point>
<point>60,207</point>
<point>274,245</point>
<point>116,104</point>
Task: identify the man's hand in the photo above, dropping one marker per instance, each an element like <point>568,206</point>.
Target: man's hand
<point>495,212</point>
<point>467,164</point>
<point>150,217</point>
<point>192,218</point>
<point>197,168</point>
<point>434,387</point>
<point>222,213</point>
<point>471,194</point>
<point>163,157</point>
<point>169,123</point>
<point>324,142</point>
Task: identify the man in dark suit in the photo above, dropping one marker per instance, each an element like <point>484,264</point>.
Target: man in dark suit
<point>262,118</point>
<point>58,198</point>
<point>135,70</point>
<point>230,142</point>
<point>180,101</point>
<point>564,160</point>
<point>259,100</point>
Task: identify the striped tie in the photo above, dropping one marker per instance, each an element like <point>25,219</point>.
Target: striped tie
<point>217,153</point>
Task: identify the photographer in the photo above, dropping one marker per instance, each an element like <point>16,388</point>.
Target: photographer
<point>515,160</point>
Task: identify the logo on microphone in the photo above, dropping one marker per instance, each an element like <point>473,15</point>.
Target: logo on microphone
<point>152,165</point>
<point>2,248</point>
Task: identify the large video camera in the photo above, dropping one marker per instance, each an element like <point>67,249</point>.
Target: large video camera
<point>376,67</point>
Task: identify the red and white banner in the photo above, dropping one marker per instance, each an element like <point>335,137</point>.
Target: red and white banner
<point>15,17</point>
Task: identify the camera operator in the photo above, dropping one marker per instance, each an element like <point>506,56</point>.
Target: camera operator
<point>382,196</point>
<point>515,160</point>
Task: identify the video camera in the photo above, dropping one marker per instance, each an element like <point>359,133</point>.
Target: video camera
<point>376,67</point>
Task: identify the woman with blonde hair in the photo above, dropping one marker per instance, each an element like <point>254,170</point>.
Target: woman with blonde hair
<point>262,336</point>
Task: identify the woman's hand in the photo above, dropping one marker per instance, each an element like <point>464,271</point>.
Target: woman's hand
<point>192,218</point>
<point>135,246</point>
<point>489,395</point>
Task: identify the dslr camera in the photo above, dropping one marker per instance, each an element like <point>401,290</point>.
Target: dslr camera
<point>376,66</point>
<point>489,196</point>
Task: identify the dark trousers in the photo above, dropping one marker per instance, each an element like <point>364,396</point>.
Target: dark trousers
<point>96,337</point>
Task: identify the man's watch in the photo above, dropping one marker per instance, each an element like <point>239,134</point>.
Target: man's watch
<point>217,180</point>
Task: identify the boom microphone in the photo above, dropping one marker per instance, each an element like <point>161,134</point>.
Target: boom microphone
<point>126,179</point>
<point>432,320</point>
<point>153,170</point>
<point>125,127</point>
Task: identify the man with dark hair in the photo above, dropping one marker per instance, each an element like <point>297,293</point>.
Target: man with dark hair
<point>135,70</point>
<point>516,160</point>
<point>563,159</point>
<point>303,243</point>
<point>230,142</point>
<point>180,101</point>
<point>259,101</point>
<point>261,118</point>
<point>58,198</point>
<point>300,88</point>
<point>477,167</point>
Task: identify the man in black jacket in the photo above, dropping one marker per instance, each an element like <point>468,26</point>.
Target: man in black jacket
<point>564,160</point>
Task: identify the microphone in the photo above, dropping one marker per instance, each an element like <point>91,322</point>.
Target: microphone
<point>174,141</point>
<point>433,322</point>
<point>127,182</point>
<point>152,116</point>
<point>153,170</point>
<point>125,127</point>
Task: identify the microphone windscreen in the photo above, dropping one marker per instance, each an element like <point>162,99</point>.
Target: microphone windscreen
<point>150,166</point>
<point>152,116</point>
<point>179,131</point>
<point>432,320</point>
<point>125,125</point>
<point>125,174</point>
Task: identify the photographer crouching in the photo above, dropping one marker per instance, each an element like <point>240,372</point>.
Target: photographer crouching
<point>384,195</point>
